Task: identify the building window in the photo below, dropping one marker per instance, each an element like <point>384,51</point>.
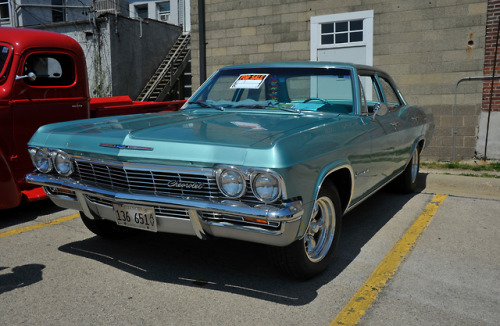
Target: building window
<point>343,37</point>
<point>4,10</point>
<point>163,9</point>
<point>58,12</point>
<point>342,32</point>
<point>141,11</point>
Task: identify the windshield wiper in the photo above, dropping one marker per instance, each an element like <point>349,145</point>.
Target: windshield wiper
<point>207,105</point>
<point>252,106</point>
<point>271,106</point>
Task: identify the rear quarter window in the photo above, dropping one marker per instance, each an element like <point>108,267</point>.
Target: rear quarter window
<point>51,69</point>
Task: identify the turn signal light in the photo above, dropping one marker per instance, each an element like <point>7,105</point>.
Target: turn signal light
<point>255,220</point>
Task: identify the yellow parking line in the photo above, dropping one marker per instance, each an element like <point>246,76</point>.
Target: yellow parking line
<point>39,225</point>
<point>366,295</point>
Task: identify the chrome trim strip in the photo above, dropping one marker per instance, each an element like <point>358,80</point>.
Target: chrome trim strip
<point>287,212</point>
<point>343,166</point>
<point>147,167</point>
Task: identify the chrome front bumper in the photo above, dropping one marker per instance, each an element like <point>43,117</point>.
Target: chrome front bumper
<point>181,215</point>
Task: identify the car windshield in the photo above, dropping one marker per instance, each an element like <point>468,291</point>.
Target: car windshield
<point>310,89</point>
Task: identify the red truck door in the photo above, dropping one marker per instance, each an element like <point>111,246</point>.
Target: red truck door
<point>59,93</point>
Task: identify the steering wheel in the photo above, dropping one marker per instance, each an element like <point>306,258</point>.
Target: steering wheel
<point>316,99</point>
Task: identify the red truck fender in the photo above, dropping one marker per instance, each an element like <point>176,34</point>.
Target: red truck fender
<point>121,105</point>
<point>10,196</point>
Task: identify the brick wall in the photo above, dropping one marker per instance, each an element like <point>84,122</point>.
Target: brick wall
<point>427,46</point>
<point>492,34</point>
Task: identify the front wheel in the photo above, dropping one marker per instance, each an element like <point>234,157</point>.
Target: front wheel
<point>312,254</point>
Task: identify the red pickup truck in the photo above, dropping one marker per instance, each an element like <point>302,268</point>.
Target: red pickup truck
<point>43,79</point>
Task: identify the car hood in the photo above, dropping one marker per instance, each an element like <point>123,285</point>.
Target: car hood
<point>202,136</point>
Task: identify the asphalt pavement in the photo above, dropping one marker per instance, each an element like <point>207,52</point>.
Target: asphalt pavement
<point>61,274</point>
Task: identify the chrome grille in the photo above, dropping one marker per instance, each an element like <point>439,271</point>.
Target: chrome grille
<point>135,180</point>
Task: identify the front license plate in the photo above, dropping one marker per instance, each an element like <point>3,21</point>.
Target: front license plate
<point>138,217</point>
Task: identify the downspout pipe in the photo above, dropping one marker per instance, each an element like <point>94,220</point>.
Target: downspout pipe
<point>202,41</point>
<point>474,78</point>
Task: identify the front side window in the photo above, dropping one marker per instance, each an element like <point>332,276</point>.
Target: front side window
<point>313,89</point>
<point>51,69</point>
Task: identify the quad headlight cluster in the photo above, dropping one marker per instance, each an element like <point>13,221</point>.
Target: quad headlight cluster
<point>46,160</point>
<point>266,185</point>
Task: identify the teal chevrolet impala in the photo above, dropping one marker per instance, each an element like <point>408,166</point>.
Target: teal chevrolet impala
<point>271,153</point>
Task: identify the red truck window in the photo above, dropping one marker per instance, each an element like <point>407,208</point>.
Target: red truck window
<point>4,61</point>
<point>51,69</point>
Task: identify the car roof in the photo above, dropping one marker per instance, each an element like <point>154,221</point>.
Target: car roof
<point>305,64</point>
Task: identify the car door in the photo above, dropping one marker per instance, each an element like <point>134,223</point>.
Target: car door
<point>401,135</point>
<point>55,95</point>
<point>383,131</point>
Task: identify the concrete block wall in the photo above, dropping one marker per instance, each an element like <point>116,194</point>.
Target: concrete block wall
<point>427,46</point>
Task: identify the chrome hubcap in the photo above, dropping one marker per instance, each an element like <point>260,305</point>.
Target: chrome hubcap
<point>321,231</point>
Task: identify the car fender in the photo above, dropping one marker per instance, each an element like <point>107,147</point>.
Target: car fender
<point>415,147</point>
<point>10,196</point>
<point>323,177</point>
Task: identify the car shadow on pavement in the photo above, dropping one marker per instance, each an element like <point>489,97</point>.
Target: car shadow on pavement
<point>234,266</point>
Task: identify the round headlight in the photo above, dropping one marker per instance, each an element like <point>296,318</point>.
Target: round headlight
<point>266,187</point>
<point>62,164</point>
<point>41,160</point>
<point>232,183</point>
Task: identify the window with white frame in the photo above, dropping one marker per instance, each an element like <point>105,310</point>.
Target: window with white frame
<point>342,32</point>
<point>141,11</point>
<point>4,10</point>
<point>163,10</point>
<point>343,37</point>
<point>58,12</point>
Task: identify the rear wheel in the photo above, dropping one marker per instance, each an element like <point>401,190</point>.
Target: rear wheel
<point>106,229</point>
<point>312,254</point>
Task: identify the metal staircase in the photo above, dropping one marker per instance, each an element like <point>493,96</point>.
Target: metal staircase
<point>169,71</point>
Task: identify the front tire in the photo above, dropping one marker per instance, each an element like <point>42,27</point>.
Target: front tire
<point>106,229</point>
<point>311,255</point>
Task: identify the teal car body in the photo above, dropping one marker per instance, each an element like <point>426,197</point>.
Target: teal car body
<point>248,157</point>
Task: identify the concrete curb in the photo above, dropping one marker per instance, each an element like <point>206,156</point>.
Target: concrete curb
<point>458,185</point>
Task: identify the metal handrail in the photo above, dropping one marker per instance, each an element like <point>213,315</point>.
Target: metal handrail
<point>455,106</point>
<point>162,72</point>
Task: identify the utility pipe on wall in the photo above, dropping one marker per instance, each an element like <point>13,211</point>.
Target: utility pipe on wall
<point>202,41</point>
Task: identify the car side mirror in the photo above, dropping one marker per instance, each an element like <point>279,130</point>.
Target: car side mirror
<point>31,76</point>
<point>380,109</point>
